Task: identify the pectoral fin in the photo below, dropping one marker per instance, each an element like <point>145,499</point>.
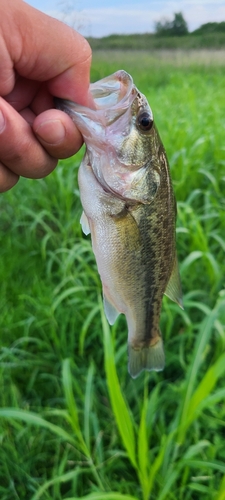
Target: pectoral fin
<point>110,311</point>
<point>173,289</point>
<point>85,224</point>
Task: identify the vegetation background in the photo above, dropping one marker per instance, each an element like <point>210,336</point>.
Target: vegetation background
<point>73,424</point>
<point>168,34</point>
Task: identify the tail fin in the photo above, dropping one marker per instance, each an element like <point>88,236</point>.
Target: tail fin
<point>147,358</point>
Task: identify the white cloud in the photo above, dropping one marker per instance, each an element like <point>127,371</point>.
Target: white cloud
<point>204,14</point>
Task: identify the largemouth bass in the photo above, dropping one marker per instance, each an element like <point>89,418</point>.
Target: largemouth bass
<point>130,211</point>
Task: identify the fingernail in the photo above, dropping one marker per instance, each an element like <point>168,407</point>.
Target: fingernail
<point>2,122</point>
<point>52,132</point>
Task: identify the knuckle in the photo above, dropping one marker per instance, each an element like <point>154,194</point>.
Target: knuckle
<point>28,159</point>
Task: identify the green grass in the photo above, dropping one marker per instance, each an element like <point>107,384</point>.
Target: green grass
<point>150,41</point>
<point>73,424</point>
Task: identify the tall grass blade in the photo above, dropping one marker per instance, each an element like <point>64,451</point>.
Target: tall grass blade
<point>143,464</point>
<point>202,340</point>
<point>68,476</point>
<point>198,464</point>
<point>105,496</point>
<point>221,493</point>
<point>168,483</point>
<point>73,411</point>
<point>32,419</point>
<point>119,406</point>
<point>86,324</point>
<point>157,463</point>
<point>207,384</point>
<point>87,404</point>
<point>71,405</point>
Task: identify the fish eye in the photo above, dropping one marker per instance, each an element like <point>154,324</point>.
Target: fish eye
<point>145,121</point>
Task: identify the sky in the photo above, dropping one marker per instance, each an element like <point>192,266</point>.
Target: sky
<point>101,18</point>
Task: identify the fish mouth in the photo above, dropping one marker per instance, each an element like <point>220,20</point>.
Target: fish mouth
<point>112,99</point>
<point>104,128</point>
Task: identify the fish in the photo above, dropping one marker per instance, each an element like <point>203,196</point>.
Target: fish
<point>129,208</point>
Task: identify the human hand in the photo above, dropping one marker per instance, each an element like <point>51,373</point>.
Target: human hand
<point>40,58</point>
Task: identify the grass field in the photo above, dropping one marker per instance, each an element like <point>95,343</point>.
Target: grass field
<point>150,41</point>
<point>73,424</point>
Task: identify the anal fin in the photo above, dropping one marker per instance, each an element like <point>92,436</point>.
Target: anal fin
<point>148,358</point>
<point>110,311</point>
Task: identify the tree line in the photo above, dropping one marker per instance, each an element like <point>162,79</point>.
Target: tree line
<point>178,27</point>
